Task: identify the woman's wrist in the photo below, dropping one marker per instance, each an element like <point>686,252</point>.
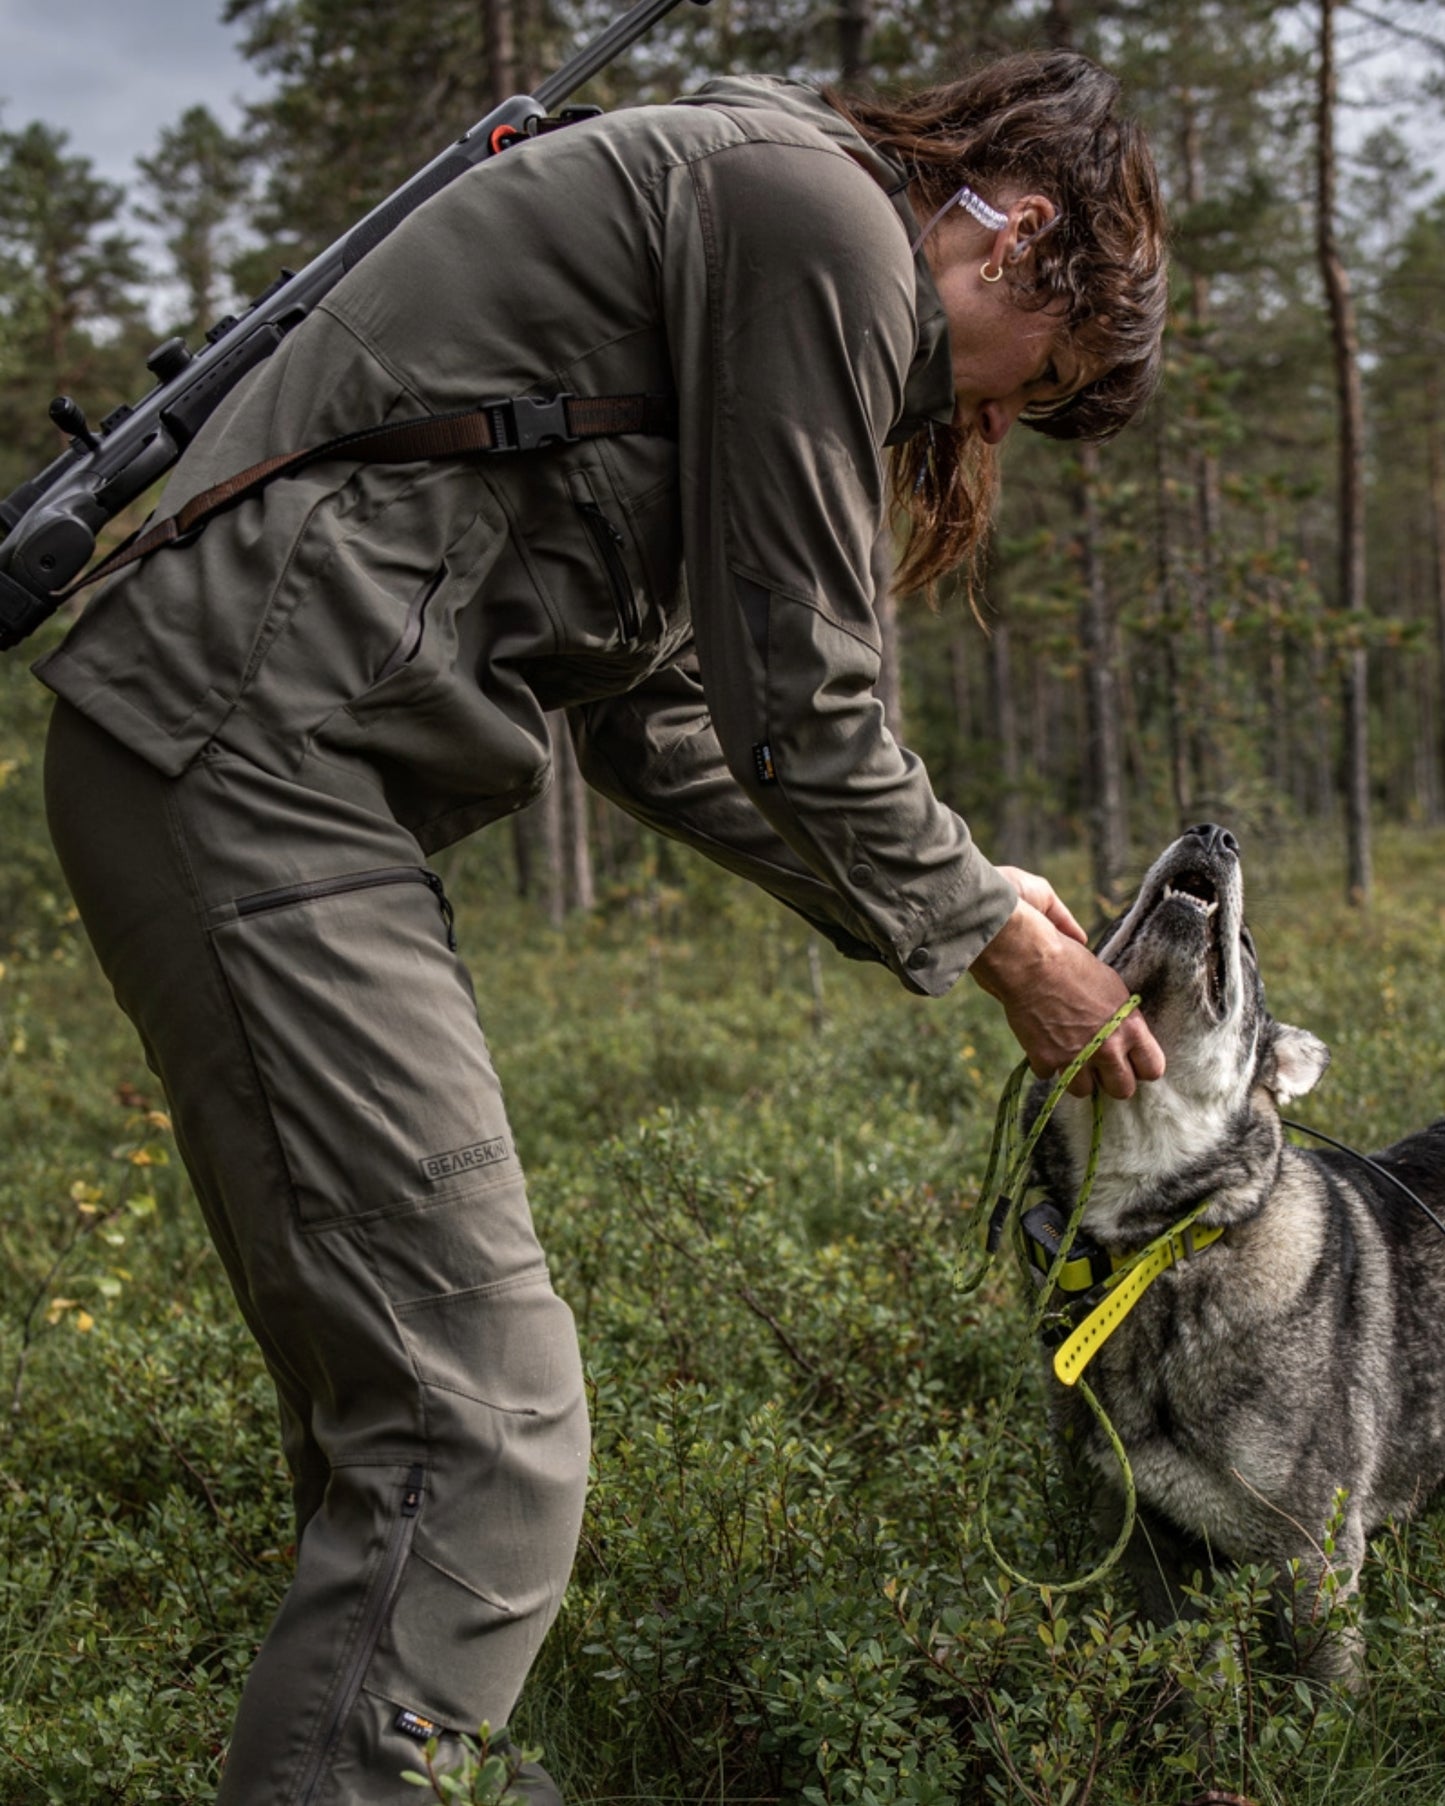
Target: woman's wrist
<point>1020,947</point>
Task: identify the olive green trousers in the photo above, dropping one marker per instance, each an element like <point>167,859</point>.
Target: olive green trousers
<point>287,958</point>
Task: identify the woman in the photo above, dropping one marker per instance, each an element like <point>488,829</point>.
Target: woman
<point>260,737</point>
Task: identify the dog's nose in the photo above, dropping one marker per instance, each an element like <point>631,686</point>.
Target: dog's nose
<point>1215,838</point>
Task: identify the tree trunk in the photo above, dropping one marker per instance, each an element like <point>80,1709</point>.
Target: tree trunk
<point>553,847</point>
<point>499,40</point>
<point>1103,739</point>
<point>1014,840</point>
<point>1276,690</point>
<point>854,22</point>
<point>1435,441</point>
<point>1321,789</point>
<point>1424,771</point>
<point>1176,714</point>
<point>552,840</point>
<point>580,886</point>
<point>962,650</point>
<point>1344,333</point>
<point>524,843</point>
<point>1103,761</point>
<point>1204,587</point>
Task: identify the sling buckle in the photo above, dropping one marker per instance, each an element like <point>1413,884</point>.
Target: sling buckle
<point>523,422</point>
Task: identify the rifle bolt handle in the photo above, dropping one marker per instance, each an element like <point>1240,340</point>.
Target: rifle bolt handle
<point>69,416</point>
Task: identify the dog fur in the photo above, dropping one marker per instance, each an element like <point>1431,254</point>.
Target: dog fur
<point>1299,1355</point>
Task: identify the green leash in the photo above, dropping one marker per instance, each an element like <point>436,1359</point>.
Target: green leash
<point>1005,1183</point>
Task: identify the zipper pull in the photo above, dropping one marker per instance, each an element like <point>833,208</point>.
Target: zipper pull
<point>438,890</point>
<point>597,518</point>
<point>411,1494</point>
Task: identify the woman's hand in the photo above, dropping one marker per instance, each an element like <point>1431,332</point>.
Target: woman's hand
<point>1056,995</point>
<point>1041,894</point>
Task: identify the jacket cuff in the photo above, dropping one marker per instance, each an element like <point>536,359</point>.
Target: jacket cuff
<point>931,960</point>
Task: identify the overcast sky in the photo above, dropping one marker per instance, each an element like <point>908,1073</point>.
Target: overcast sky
<point>112,73</point>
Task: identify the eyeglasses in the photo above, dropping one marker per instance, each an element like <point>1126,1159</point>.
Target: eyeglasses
<point>974,205</point>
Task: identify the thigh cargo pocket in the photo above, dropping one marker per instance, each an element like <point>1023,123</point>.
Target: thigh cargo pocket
<point>364,1034</point>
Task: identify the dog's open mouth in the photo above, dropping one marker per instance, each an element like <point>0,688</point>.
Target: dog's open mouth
<point>1194,889</point>
<point>1178,935</point>
<point>1195,893</point>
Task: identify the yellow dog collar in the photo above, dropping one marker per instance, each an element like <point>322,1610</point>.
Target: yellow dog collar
<point>1132,1277</point>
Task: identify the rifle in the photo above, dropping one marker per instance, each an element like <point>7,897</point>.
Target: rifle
<point>48,526</point>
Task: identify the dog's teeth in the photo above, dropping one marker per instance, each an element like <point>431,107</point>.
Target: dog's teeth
<point>1187,896</point>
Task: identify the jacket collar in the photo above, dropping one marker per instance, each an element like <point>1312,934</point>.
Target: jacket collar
<point>928,395</point>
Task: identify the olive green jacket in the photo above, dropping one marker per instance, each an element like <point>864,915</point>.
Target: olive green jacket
<point>744,252</point>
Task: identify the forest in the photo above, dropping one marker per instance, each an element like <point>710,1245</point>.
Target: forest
<point>755,1168</point>
<point>1238,610</point>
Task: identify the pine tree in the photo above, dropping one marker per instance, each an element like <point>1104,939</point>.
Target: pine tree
<point>365,93</point>
<point>1344,332</point>
<point>1407,391</point>
<point>68,280</point>
<point>193,185</point>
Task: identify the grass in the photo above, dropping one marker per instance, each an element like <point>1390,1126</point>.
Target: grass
<point>753,1190</point>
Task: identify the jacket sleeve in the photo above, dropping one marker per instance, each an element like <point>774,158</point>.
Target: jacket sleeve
<point>653,752</point>
<point>789,296</point>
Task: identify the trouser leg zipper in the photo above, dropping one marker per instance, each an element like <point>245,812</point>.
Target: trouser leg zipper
<point>316,888</point>
<point>377,1612</point>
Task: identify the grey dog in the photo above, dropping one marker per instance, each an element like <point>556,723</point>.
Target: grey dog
<point>1297,1358</point>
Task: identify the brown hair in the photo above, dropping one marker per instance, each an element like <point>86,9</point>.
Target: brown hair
<point>1046,123</point>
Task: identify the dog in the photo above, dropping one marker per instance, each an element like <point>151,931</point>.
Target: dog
<point>1286,1377</point>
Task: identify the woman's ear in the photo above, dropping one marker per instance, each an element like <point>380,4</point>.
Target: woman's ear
<point>1029,218</point>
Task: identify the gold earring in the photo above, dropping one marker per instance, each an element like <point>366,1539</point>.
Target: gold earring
<point>997,274</point>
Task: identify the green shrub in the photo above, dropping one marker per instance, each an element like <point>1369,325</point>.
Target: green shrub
<point>753,1182</point>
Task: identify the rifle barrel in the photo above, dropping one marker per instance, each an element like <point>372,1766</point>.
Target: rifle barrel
<point>603,48</point>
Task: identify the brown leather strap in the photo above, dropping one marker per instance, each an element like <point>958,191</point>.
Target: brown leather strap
<point>518,423</point>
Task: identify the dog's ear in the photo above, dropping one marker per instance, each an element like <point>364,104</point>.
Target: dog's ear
<point>1295,1062</point>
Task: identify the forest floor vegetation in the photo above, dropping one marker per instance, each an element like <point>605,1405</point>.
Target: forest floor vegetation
<point>754,1174</point>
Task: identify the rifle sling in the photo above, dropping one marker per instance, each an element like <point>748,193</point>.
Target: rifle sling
<point>519,423</point>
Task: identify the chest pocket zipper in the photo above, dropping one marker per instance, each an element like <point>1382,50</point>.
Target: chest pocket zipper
<point>609,540</point>
<point>313,891</point>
